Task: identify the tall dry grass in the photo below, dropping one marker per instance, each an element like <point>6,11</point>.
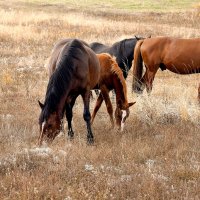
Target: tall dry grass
<point>157,157</point>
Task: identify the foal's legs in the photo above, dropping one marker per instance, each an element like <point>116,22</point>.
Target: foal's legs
<point>105,93</point>
<point>87,116</point>
<point>69,115</point>
<point>103,96</point>
<point>97,106</point>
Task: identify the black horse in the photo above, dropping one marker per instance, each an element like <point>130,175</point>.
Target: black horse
<point>122,50</point>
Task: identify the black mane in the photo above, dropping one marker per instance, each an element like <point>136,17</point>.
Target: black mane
<point>122,50</point>
<point>60,80</point>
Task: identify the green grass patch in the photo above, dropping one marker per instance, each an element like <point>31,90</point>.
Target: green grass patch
<point>142,5</point>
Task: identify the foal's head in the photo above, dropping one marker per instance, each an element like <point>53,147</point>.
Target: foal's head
<point>121,114</point>
<point>50,125</point>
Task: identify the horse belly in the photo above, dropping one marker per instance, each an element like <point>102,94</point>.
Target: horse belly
<point>183,56</point>
<point>184,65</point>
<point>94,77</point>
<point>94,72</point>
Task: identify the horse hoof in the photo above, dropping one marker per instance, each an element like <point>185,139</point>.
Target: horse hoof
<point>71,135</point>
<point>70,138</point>
<point>90,141</point>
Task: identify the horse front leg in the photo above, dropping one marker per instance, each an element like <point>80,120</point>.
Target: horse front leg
<point>69,116</point>
<point>87,116</point>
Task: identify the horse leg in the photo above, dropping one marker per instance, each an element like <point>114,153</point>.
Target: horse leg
<point>109,107</point>
<point>97,106</point>
<point>148,78</point>
<point>69,116</point>
<point>87,116</point>
<point>199,93</point>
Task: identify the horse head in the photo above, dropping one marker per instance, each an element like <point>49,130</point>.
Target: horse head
<point>122,113</point>
<point>50,125</point>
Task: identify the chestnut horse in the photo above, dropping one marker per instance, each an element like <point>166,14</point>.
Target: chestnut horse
<point>76,72</point>
<point>181,56</point>
<point>111,77</point>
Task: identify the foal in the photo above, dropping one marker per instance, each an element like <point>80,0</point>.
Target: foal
<point>111,77</point>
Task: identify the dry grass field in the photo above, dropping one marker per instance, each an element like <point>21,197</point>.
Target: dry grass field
<point>156,157</point>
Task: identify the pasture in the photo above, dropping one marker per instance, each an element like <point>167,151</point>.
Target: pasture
<point>156,157</point>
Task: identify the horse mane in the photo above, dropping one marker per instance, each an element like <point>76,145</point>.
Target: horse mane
<point>60,80</point>
<point>115,69</point>
<point>121,44</point>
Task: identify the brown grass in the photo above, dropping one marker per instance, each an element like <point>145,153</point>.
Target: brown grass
<point>157,157</point>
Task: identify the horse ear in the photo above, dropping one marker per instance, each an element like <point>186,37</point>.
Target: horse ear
<point>137,38</point>
<point>41,105</point>
<point>130,104</point>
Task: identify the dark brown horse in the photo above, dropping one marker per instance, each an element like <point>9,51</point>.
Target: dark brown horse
<point>53,59</point>
<point>76,72</point>
<point>181,56</point>
<point>111,77</point>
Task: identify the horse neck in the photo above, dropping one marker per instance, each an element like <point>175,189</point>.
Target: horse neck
<point>126,56</point>
<point>121,93</point>
<point>61,105</point>
<point>130,52</point>
<point>56,105</point>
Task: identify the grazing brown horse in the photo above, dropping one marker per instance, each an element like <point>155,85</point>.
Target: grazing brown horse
<point>76,72</point>
<point>111,77</point>
<point>181,56</point>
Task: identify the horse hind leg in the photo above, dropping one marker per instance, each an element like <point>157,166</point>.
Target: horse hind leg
<point>87,116</point>
<point>149,77</point>
<point>105,93</point>
<point>96,92</point>
<point>97,106</point>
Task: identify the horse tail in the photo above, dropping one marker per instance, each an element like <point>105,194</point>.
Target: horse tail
<point>138,68</point>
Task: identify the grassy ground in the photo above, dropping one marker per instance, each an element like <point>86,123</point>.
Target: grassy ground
<point>157,157</point>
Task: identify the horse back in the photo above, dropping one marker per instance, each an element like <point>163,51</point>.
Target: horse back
<point>99,47</point>
<point>178,55</point>
<point>57,49</point>
<point>184,54</point>
<point>153,49</point>
<point>107,73</point>
<point>94,68</point>
<point>85,63</point>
